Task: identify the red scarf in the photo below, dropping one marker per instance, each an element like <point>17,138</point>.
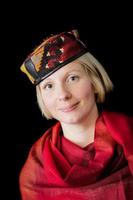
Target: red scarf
<point>58,169</point>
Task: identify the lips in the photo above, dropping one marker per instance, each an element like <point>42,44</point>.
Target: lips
<point>69,108</point>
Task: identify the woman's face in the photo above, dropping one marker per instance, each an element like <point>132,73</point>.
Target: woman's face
<point>68,94</point>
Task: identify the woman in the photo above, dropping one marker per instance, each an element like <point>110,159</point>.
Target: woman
<point>88,153</point>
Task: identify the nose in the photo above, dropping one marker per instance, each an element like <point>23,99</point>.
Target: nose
<point>63,93</point>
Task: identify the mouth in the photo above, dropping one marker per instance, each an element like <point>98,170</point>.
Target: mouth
<point>69,108</point>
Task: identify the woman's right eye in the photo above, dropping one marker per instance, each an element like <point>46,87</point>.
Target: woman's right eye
<point>48,86</point>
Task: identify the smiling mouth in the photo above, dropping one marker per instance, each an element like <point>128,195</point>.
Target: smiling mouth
<point>70,108</point>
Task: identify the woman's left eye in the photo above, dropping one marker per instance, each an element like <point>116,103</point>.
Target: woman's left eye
<point>73,78</point>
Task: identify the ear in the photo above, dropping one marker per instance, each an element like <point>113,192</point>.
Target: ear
<point>94,89</point>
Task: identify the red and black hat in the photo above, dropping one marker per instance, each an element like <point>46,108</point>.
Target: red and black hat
<point>52,54</point>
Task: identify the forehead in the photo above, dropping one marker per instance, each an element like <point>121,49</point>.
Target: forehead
<point>71,67</point>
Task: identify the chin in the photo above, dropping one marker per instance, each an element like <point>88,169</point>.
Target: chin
<point>71,120</point>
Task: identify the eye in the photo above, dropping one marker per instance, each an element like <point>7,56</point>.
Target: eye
<point>48,86</point>
<point>73,78</point>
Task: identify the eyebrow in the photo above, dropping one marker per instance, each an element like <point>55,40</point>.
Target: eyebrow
<point>69,71</point>
<point>76,70</point>
<point>73,70</point>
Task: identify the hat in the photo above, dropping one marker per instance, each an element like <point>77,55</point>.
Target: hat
<point>54,52</point>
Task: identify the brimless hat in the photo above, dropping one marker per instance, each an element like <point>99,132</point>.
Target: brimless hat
<point>52,54</point>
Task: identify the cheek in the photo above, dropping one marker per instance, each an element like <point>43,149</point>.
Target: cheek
<point>48,102</point>
<point>86,92</point>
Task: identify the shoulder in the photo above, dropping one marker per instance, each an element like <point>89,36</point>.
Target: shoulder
<point>38,146</point>
<point>120,126</point>
<point>35,162</point>
<point>117,117</point>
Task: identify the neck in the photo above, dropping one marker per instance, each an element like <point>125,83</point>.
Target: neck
<point>81,133</point>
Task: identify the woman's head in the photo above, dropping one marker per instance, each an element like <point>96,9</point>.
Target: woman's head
<point>57,52</point>
<point>96,74</point>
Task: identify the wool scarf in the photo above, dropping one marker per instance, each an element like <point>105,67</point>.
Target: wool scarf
<point>58,169</point>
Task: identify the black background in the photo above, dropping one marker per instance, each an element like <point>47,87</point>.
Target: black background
<point>105,28</point>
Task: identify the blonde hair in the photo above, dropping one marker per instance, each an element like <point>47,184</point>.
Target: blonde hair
<point>99,77</point>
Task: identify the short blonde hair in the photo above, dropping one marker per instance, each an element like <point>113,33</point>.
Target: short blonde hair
<point>99,77</point>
